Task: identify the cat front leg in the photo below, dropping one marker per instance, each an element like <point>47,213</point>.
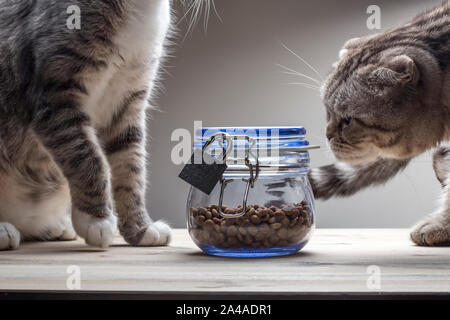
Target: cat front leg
<point>124,145</point>
<point>9,237</point>
<point>343,180</point>
<point>68,136</point>
<point>435,229</point>
<point>441,163</point>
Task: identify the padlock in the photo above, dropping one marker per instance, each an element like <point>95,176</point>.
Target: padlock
<point>205,175</point>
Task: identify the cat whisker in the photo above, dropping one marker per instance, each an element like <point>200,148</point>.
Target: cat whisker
<point>210,6</point>
<point>194,9</point>
<point>306,85</point>
<point>319,140</point>
<point>296,73</point>
<point>206,15</point>
<point>300,75</point>
<point>304,61</point>
<point>195,15</point>
<point>188,10</point>
<point>215,11</point>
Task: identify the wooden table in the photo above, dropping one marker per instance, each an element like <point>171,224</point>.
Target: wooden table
<point>337,262</point>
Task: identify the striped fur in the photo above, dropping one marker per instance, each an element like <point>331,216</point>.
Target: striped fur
<point>72,119</point>
<point>388,100</point>
<point>344,180</point>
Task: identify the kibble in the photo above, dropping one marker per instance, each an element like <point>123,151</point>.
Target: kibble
<point>274,226</point>
<point>255,219</point>
<point>260,227</point>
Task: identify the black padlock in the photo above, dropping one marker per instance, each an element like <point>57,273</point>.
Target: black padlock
<point>205,175</point>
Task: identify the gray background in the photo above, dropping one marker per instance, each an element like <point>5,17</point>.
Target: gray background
<point>227,76</point>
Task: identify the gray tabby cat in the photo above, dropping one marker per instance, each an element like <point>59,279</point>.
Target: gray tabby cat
<point>72,119</point>
<point>388,100</point>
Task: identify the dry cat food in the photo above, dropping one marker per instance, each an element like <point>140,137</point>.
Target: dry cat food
<point>260,227</point>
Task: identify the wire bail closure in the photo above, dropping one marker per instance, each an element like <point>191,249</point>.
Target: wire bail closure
<point>225,137</point>
<point>253,170</point>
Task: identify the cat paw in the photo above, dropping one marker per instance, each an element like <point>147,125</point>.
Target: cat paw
<point>157,234</point>
<point>68,234</point>
<point>97,232</point>
<point>431,232</point>
<point>60,232</point>
<point>9,237</point>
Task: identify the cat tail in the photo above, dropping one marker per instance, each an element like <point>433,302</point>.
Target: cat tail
<point>341,180</point>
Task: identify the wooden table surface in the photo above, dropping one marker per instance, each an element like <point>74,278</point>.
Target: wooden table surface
<point>335,261</point>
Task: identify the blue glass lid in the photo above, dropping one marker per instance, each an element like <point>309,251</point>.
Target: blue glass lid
<point>286,132</point>
<point>276,148</point>
<point>282,138</point>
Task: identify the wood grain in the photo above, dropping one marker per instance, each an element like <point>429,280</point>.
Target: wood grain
<point>336,260</point>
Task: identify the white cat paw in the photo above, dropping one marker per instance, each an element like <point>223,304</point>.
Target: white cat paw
<point>97,232</point>
<point>68,234</point>
<point>9,237</point>
<point>157,234</point>
<point>431,232</point>
<point>60,232</point>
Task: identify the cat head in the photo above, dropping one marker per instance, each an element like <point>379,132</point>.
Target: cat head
<point>375,103</point>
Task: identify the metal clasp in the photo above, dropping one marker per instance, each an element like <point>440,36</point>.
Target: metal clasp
<point>254,173</point>
<point>225,137</point>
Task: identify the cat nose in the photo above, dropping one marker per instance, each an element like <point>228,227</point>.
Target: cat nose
<point>329,134</point>
<point>331,130</point>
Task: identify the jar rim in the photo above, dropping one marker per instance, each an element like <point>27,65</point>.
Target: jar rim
<point>278,150</point>
<point>279,138</point>
<point>256,132</point>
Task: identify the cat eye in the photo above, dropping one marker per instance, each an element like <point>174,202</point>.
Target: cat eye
<point>347,120</point>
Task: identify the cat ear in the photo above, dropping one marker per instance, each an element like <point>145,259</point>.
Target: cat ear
<point>399,71</point>
<point>405,68</point>
<point>348,46</point>
<point>354,43</point>
<point>342,53</point>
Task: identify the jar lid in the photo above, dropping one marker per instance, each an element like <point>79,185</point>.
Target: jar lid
<point>280,138</point>
<point>277,148</point>
<point>285,132</point>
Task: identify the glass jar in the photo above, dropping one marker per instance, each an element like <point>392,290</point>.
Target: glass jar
<point>263,205</point>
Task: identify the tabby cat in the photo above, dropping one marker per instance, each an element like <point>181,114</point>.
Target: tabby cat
<point>72,119</point>
<point>387,101</point>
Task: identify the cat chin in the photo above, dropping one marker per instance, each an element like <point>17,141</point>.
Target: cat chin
<point>357,159</point>
<point>353,154</point>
